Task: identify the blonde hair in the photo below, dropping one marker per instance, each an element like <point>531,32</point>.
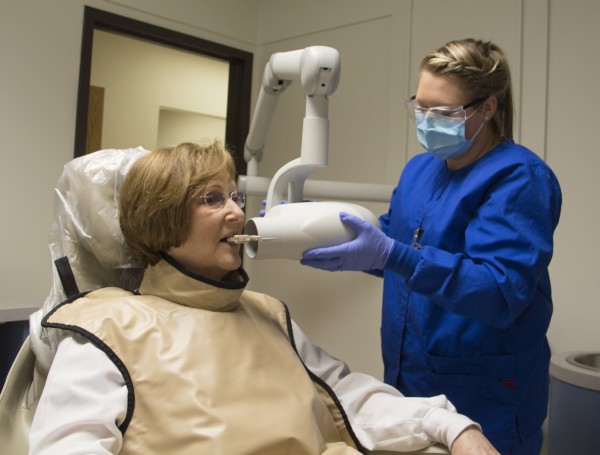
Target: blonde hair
<point>156,198</point>
<point>482,70</point>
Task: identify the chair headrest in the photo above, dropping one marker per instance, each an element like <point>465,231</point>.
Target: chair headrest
<point>86,227</point>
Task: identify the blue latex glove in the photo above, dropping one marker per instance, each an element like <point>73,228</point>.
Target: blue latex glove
<point>370,250</point>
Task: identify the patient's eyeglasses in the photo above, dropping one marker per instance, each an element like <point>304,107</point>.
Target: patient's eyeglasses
<point>415,110</point>
<point>217,199</point>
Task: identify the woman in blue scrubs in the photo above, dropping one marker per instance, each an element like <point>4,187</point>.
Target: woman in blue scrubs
<point>464,252</point>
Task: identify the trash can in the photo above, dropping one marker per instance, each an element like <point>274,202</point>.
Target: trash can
<point>574,410</point>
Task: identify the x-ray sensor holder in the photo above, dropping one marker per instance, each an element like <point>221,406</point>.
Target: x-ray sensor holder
<point>288,230</point>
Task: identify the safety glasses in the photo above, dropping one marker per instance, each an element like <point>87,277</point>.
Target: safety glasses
<point>449,112</point>
<point>217,199</point>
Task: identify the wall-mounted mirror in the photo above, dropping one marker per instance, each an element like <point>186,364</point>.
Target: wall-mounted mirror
<point>140,84</point>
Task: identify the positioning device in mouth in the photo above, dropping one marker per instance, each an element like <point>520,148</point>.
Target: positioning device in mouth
<point>243,238</point>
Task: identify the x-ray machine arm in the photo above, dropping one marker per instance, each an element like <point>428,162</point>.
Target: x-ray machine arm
<point>318,70</point>
<point>287,230</point>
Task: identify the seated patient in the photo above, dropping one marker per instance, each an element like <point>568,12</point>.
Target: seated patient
<point>192,363</point>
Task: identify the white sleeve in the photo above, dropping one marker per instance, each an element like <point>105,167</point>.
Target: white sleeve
<point>380,416</point>
<point>82,404</point>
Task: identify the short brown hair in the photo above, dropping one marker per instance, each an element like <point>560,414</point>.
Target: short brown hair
<point>156,198</point>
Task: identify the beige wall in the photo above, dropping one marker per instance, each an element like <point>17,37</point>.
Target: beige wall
<point>175,127</point>
<point>572,150</point>
<point>146,83</point>
<point>551,45</point>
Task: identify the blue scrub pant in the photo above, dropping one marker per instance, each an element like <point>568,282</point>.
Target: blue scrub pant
<point>531,446</point>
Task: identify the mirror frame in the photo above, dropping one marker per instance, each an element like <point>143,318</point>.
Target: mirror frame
<point>240,73</point>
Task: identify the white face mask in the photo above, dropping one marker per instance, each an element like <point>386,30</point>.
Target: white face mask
<point>443,137</point>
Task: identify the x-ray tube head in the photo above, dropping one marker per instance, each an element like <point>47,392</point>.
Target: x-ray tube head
<point>288,230</point>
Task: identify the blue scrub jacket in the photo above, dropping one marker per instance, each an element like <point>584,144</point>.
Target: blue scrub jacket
<point>467,306</point>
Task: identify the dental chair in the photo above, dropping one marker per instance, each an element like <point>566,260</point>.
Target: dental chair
<point>79,261</point>
<point>85,202</point>
<point>18,402</point>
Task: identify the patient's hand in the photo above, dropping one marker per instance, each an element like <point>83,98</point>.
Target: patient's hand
<point>472,442</point>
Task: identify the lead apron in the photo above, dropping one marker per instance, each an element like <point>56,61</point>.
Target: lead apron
<point>208,381</point>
